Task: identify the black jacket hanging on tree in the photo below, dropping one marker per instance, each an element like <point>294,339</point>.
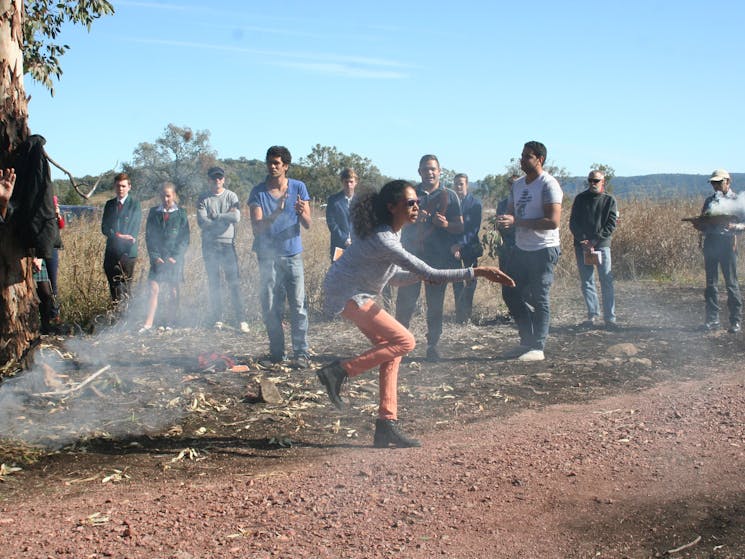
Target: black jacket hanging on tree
<point>33,218</point>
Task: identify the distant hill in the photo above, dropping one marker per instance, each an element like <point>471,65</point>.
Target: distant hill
<point>663,185</point>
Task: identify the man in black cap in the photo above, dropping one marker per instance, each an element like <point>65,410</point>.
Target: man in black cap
<point>218,212</point>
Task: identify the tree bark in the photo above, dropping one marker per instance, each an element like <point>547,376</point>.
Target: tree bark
<point>19,318</point>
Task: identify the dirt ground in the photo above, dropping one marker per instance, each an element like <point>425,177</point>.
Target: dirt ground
<point>620,444</point>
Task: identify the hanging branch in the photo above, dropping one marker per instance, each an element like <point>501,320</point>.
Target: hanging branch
<point>76,185</point>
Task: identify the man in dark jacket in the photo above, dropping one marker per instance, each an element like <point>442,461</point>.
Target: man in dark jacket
<point>120,225</point>
<point>469,249</point>
<point>337,212</point>
<point>438,227</point>
<point>592,222</point>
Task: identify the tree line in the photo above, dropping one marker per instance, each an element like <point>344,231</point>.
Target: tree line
<point>182,155</point>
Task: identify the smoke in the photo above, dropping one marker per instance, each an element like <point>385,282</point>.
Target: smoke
<point>136,395</point>
<point>729,206</point>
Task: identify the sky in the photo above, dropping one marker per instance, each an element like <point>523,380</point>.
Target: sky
<point>643,86</point>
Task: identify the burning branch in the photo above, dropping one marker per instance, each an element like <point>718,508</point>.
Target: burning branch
<point>75,185</point>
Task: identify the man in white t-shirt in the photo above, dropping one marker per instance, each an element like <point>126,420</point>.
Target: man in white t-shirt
<point>534,210</point>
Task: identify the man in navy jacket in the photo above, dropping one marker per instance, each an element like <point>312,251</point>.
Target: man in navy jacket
<point>469,249</point>
<point>337,212</point>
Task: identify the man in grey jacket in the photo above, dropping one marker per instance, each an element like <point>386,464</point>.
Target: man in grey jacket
<point>218,212</point>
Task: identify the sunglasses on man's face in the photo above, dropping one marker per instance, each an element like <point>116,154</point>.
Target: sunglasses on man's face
<point>413,202</point>
<point>594,181</point>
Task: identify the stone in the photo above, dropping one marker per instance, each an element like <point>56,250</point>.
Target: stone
<point>269,392</point>
<point>623,350</point>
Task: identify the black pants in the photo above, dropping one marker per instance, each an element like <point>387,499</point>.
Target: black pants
<point>463,292</point>
<point>119,271</point>
<point>505,264</point>
<point>46,304</point>
<point>406,300</point>
<point>720,252</point>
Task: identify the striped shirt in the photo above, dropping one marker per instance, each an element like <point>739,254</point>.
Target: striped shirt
<point>370,263</point>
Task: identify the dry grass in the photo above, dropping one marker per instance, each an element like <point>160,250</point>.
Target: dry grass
<point>650,243</point>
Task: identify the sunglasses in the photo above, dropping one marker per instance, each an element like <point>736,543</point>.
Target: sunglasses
<point>594,181</point>
<point>413,202</point>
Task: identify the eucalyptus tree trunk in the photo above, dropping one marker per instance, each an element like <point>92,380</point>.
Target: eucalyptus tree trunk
<point>18,303</point>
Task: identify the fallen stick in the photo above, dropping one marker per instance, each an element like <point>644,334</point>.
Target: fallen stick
<point>682,547</point>
<point>78,386</point>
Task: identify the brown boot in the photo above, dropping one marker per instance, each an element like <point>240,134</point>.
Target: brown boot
<point>387,433</point>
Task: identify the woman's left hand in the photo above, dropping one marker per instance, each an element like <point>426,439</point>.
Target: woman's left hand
<point>493,274</point>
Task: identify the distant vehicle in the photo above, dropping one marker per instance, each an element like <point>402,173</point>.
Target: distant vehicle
<point>74,213</point>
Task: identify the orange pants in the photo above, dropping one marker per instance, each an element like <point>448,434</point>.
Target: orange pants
<point>391,341</point>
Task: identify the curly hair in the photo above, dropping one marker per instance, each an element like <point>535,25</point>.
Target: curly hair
<point>370,208</point>
<point>279,151</point>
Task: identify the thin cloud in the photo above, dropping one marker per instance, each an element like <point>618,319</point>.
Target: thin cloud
<point>343,70</point>
<point>351,66</point>
<point>155,5</point>
<point>279,31</point>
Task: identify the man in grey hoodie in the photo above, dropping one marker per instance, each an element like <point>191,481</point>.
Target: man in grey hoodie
<point>218,212</point>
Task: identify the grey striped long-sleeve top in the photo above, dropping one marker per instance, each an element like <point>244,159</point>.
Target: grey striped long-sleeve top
<point>370,263</point>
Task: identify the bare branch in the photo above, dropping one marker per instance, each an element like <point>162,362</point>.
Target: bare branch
<point>76,185</point>
<point>682,547</point>
<point>77,386</point>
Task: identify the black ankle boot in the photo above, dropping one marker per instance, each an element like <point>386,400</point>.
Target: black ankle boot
<point>332,376</point>
<point>387,433</point>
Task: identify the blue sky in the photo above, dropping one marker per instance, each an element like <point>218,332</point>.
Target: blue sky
<point>644,86</point>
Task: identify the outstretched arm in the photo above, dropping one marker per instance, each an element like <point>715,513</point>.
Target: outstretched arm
<point>493,274</point>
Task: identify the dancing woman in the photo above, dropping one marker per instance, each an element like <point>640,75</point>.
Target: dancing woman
<point>374,259</point>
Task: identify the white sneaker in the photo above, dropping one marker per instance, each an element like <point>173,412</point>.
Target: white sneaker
<point>218,325</point>
<point>145,330</point>
<point>516,352</point>
<point>244,327</point>
<point>532,355</point>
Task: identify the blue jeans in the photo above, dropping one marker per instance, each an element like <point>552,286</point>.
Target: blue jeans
<point>283,278</point>
<point>587,285</point>
<point>528,301</point>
